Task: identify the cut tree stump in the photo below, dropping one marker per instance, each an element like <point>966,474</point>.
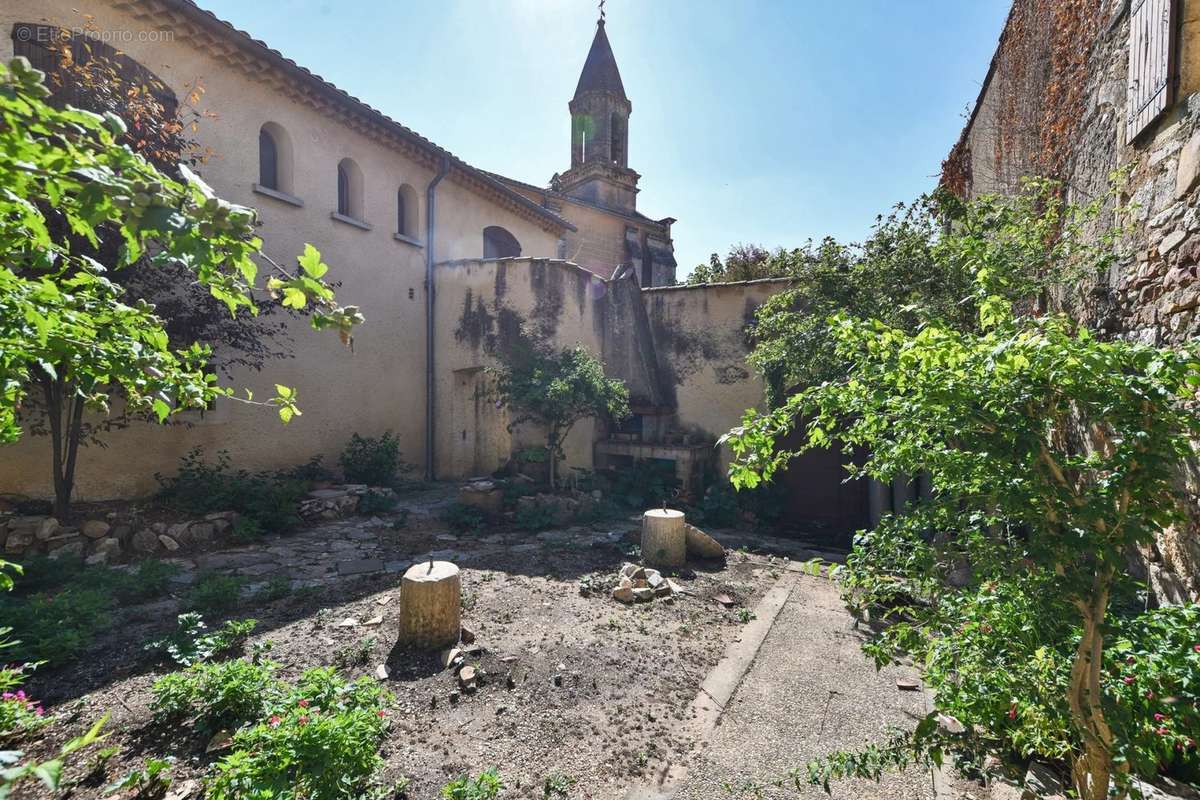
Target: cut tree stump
<point>664,542</point>
<point>430,605</point>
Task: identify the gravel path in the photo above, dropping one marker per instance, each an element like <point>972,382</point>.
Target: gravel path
<point>810,691</point>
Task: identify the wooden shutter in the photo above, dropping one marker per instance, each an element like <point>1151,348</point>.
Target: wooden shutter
<point>1152,25</point>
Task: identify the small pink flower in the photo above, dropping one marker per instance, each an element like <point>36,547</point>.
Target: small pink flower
<point>304,704</point>
<point>1149,695</point>
<point>1128,679</point>
<point>1196,647</point>
<point>39,711</point>
<point>274,720</point>
<point>1012,711</point>
<point>1130,660</point>
<point>1162,731</point>
<point>1159,717</point>
<point>303,720</point>
<point>379,713</point>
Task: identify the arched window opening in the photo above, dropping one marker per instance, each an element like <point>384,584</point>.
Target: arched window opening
<point>406,211</point>
<point>618,132</point>
<point>349,189</point>
<point>274,158</point>
<point>268,160</point>
<point>499,243</point>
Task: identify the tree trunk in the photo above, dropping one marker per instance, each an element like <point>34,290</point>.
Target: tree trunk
<point>552,456</point>
<point>1093,768</point>
<point>64,412</point>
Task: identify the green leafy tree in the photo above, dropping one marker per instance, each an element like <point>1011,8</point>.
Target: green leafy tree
<point>919,264</point>
<point>743,262</point>
<point>65,328</point>
<point>1051,454</point>
<point>557,389</point>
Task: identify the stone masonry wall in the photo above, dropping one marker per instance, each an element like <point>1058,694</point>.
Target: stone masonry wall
<point>1152,294</point>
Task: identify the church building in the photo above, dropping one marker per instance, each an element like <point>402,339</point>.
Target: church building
<point>598,194</point>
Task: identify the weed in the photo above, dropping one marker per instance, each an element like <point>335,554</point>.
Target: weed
<point>192,642</point>
<point>152,780</point>
<point>354,655</point>
<point>486,786</point>
<point>557,785</point>
<point>214,594</point>
<point>276,588</point>
<point>246,529</point>
<point>463,518</point>
<point>744,615</point>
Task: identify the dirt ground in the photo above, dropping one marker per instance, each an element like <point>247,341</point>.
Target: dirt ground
<point>599,688</point>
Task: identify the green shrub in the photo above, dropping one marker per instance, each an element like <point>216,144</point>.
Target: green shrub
<point>373,461</point>
<point>646,483</point>
<point>214,594</point>
<point>56,628</point>
<point>219,695</point>
<point>275,589</point>
<point>374,502</point>
<point>191,642</point>
<point>463,518</point>
<point>321,743</point>
<point>324,688</point>
<point>534,517</point>
<point>246,529</point>
<point>312,471</point>
<point>486,786</point>
<point>270,499</point>
<point>60,606</point>
<point>150,579</point>
<point>1001,670</point>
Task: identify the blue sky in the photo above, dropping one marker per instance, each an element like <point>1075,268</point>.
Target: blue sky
<point>753,121</point>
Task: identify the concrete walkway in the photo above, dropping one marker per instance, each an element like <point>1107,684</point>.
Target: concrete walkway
<point>810,690</point>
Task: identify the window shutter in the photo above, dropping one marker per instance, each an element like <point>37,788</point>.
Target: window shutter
<point>1151,91</point>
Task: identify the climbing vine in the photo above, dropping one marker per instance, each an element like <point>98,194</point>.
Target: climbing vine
<point>1035,98</point>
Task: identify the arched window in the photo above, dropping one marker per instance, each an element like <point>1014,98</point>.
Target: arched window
<point>268,160</point>
<point>406,211</point>
<point>349,189</point>
<point>617,130</point>
<point>274,158</point>
<point>499,243</point>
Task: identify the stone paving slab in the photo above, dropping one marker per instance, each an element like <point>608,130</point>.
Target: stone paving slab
<point>810,691</point>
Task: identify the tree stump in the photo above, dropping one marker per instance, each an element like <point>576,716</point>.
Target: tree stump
<point>430,605</point>
<point>664,542</point>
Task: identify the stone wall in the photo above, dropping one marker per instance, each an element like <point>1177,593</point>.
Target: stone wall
<point>1152,293</point>
<point>681,351</point>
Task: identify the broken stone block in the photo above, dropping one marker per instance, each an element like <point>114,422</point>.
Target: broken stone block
<point>167,542</point>
<point>72,549</point>
<point>47,528</point>
<point>643,594</point>
<point>145,541</point>
<point>95,529</point>
<point>700,544</point>
<point>623,593</point>
<point>19,540</point>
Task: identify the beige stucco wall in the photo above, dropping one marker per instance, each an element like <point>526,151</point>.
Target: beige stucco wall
<point>378,386</point>
<point>701,338</point>
<point>485,308</point>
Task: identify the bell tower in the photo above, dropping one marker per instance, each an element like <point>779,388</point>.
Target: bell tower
<point>600,172</point>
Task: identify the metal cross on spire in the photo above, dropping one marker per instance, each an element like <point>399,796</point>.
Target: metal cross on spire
<point>602,10</point>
